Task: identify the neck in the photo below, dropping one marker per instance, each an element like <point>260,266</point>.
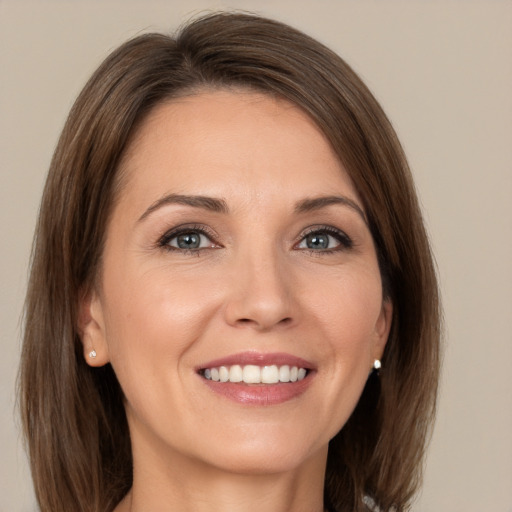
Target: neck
<point>187,485</point>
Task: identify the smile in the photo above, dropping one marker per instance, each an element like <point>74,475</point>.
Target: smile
<point>258,379</point>
<point>253,374</point>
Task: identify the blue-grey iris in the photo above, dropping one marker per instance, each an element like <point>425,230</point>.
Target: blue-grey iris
<point>316,241</point>
<point>188,241</point>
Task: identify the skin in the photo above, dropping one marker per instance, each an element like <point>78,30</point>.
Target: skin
<point>255,285</point>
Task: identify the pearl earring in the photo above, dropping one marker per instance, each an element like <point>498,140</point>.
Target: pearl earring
<point>377,365</point>
<point>92,354</point>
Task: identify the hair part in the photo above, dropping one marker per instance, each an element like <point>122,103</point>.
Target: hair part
<point>73,415</point>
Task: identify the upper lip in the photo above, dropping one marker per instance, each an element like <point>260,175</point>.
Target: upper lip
<point>258,359</point>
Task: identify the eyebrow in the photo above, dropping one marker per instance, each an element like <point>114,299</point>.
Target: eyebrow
<point>206,203</point>
<point>220,206</point>
<point>317,203</point>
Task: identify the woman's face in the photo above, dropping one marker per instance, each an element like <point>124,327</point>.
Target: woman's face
<point>237,253</point>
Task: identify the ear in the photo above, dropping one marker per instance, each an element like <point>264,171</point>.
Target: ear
<point>382,328</point>
<point>91,327</point>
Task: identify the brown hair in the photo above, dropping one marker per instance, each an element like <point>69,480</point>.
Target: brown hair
<point>73,415</point>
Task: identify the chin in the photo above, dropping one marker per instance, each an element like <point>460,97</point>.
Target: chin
<point>261,455</point>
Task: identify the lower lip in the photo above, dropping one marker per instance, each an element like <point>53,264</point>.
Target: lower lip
<point>260,394</point>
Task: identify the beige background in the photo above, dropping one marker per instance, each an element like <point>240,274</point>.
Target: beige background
<point>443,72</point>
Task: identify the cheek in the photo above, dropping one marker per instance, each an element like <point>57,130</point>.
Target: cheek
<point>348,309</point>
<point>348,314</point>
<point>152,328</point>
<point>153,315</point>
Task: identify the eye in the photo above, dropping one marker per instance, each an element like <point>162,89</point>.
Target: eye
<point>325,239</point>
<point>187,239</point>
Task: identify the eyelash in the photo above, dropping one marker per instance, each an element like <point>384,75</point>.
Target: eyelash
<point>345,242</point>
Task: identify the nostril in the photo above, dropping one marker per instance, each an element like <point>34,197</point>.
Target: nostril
<point>249,321</point>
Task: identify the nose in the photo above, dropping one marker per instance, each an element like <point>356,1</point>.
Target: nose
<point>261,294</point>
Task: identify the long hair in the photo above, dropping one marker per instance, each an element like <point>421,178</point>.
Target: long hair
<point>73,415</point>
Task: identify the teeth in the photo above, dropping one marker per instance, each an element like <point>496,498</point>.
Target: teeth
<point>252,374</point>
<point>223,374</point>
<point>270,375</point>
<point>284,373</point>
<point>235,373</point>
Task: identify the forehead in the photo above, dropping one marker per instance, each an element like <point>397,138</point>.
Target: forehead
<point>205,143</point>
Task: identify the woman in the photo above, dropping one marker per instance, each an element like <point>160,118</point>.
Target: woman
<point>229,247</point>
